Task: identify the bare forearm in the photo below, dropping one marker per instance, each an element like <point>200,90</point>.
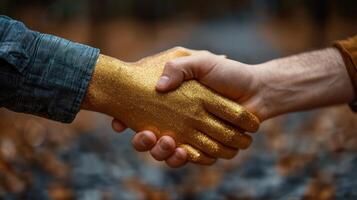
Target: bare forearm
<point>305,81</point>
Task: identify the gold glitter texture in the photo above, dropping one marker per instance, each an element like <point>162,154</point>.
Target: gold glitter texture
<point>205,124</point>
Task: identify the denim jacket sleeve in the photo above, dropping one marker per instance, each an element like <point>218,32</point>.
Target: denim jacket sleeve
<point>42,74</point>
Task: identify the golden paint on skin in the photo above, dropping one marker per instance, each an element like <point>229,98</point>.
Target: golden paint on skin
<point>190,114</point>
<point>196,156</point>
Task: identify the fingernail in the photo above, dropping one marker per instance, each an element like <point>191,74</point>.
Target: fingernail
<point>163,81</point>
<point>146,141</point>
<point>178,155</point>
<point>164,145</point>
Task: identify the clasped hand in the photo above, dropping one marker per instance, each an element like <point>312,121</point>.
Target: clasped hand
<point>206,125</point>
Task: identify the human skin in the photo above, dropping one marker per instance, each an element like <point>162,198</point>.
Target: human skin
<point>205,124</point>
<point>295,83</point>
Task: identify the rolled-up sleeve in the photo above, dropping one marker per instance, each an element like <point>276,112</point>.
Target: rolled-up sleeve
<point>42,74</point>
<point>348,49</point>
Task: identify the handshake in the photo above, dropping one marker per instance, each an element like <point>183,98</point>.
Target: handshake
<point>200,121</point>
<point>174,96</point>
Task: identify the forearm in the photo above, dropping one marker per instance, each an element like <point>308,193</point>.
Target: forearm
<point>42,74</point>
<point>305,81</point>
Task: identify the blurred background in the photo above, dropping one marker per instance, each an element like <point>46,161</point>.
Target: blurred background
<point>309,155</point>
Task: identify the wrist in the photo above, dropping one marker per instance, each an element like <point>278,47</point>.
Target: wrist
<point>96,95</point>
<point>266,101</point>
<point>304,81</point>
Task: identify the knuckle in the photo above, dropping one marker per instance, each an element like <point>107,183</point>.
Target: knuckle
<point>181,51</point>
<point>178,48</point>
<point>170,65</point>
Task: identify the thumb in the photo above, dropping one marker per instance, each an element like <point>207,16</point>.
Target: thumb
<point>180,69</point>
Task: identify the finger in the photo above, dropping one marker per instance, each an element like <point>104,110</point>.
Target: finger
<point>196,156</point>
<point>209,146</point>
<point>144,141</point>
<point>164,148</point>
<point>118,126</point>
<point>177,159</point>
<point>170,54</point>
<point>232,112</point>
<point>224,133</point>
<point>183,68</point>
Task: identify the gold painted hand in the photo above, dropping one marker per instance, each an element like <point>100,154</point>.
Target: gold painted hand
<point>205,124</point>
